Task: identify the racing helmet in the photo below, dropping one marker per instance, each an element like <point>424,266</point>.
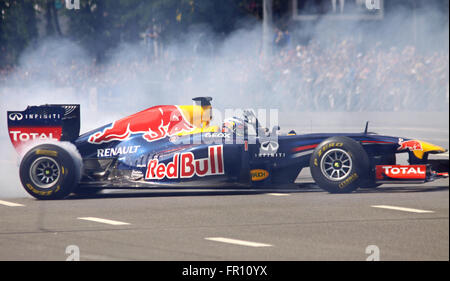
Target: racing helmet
<point>233,125</point>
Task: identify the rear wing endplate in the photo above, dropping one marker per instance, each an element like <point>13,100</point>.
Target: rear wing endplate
<point>52,121</point>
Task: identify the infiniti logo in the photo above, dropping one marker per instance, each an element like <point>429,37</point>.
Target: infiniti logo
<point>269,146</point>
<point>269,149</point>
<point>15,116</point>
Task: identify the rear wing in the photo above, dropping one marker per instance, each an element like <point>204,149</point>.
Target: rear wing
<point>51,121</point>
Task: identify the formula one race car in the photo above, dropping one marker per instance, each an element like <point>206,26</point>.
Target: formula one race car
<point>175,146</point>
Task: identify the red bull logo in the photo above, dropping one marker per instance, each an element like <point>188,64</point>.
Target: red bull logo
<point>154,123</point>
<point>185,165</point>
<point>412,145</point>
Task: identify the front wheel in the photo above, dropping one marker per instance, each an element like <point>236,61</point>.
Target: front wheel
<point>339,165</point>
<point>48,171</point>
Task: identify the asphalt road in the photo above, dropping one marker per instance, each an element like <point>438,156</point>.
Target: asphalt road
<point>303,223</point>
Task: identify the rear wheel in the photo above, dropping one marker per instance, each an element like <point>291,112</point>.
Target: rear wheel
<point>48,171</point>
<point>339,164</point>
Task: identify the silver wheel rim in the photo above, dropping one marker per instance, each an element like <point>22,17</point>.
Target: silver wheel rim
<point>44,172</point>
<point>336,164</point>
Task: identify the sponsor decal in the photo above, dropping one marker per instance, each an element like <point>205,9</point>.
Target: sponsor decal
<point>184,165</point>
<point>216,135</point>
<point>21,135</point>
<point>259,174</point>
<point>154,123</point>
<point>68,109</point>
<point>412,145</point>
<point>270,155</point>
<point>136,175</point>
<point>122,150</point>
<point>269,149</point>
<point>15,116</point>
<point>400,172</point>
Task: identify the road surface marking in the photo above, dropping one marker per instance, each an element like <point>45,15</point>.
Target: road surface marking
<point>402,209</point>
<point>10,204</point>
<point>238,242</point>
<point>104,221</point>
<point>278,194</point>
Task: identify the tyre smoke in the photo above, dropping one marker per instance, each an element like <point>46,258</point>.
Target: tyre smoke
<point>339,71</point>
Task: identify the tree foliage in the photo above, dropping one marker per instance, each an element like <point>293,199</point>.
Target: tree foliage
<point>102,24</point>
<point>17,28</point>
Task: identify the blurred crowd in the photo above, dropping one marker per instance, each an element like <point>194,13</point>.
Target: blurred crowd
<point>337,76</point>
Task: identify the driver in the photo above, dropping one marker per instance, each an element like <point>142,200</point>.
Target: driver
<point>233,125</point>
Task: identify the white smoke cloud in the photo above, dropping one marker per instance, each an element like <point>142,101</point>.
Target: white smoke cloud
<point>231,70</point>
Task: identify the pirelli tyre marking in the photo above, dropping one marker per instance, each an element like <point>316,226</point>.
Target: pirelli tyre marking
<point>47,152</point>
<point>327,146</point>
<point>349,180</point>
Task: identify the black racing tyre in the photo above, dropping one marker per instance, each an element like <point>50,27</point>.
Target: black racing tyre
<point>339,164</point>
<point>48,171</point>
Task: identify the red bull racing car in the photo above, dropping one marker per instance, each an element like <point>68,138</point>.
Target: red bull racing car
<point>175,146</point>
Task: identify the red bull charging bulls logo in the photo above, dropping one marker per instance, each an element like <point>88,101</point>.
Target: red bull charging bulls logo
<point>412,145</point>
<point>154,123</point>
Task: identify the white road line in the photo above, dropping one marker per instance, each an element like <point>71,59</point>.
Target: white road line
<point>238,242</point>
<point>10,204</point>
<point>277,194</point>
<point>402,209</point>
<point>104,221</point>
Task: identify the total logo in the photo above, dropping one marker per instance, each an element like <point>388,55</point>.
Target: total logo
<point>184,165</point>
<point>21,136</point>
<point>402,171</point>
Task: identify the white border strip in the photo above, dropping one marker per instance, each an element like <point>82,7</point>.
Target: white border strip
<point>402,209</point>
<point>238,242</point>
<point>10,204</point>
<point>104,221</point>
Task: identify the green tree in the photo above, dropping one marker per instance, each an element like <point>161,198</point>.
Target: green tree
<point>17,28</point>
